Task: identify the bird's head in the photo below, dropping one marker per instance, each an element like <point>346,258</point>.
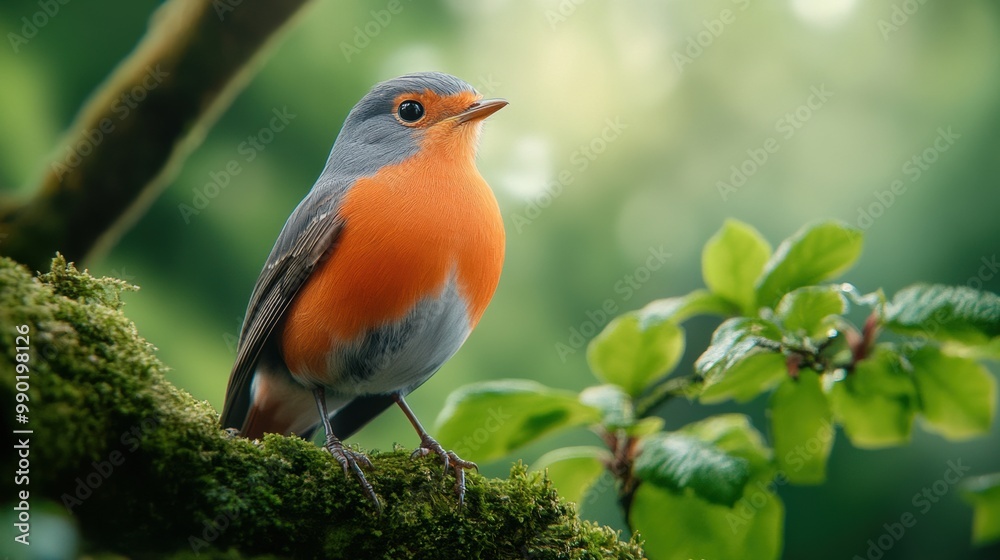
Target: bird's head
<point>400,117</point>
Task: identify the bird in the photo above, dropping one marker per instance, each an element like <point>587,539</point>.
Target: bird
<point>377,277</point>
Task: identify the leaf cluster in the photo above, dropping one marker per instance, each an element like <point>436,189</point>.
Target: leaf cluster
<point>708,489</point>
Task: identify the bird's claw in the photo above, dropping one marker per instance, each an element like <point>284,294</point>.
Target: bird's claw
<point>352,461</point>
<point>428,445</point>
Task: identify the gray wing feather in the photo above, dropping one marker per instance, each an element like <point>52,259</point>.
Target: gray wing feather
<point>307,238</point>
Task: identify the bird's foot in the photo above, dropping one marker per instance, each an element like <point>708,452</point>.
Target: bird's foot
<point>429,445</point>
<point>352,461</point>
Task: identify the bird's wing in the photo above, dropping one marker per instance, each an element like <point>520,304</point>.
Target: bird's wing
<point>307,238</point>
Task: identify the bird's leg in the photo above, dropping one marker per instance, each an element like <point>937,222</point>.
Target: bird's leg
<point>347,458</point>
<point>429,445</point>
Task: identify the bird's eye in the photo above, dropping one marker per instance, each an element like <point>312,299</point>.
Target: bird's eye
<point>410,111</point>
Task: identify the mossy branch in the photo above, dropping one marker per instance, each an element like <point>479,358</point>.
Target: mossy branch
<point>141,468</point>
<point>139,125</point>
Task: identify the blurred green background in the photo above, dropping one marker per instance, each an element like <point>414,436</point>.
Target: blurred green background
<point>641,108</point>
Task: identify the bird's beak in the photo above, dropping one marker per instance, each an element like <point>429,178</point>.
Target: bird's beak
<point>480,110</point>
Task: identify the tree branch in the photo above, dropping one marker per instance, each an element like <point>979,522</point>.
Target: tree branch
<point>134,131</point>
<point>144,470</point>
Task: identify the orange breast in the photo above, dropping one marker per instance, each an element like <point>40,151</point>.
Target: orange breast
<point>406,229</point>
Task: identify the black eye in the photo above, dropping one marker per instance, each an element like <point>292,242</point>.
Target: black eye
<point>410,111</point>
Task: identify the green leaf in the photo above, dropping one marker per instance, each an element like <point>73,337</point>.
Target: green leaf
<point>573,470</point>
<point>679,309</point>
<point>750,377</point>
<point>808,309</point>
<point>983,492</point>
<point>837,349</point>
<point>613,402</point>
<point>733,434</point>
<point>632,353</point>
<point>802,428</point>
<point>678,462</point>
<point>645,427</point>
<point>876,403</point>
<point>618,411</point>
<point>814,254</point>
<point>485,421</point>
<point>958,396</point>
<point>948,313</point>
<point>988,351</point>
<point>676,525</point>
<point>731,262</point>
<point>683,526</point>
<point>733,341</point>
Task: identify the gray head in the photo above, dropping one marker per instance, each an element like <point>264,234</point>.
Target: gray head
<point>400,116</point>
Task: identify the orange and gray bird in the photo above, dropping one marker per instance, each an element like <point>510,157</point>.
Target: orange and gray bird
<point>378,276</point>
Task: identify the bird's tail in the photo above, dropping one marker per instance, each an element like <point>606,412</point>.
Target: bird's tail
<point>279,405</point>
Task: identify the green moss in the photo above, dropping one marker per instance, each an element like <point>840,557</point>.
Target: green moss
<point>145,471</point>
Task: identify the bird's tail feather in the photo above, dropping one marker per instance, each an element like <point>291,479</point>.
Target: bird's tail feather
<point>279,406</point>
